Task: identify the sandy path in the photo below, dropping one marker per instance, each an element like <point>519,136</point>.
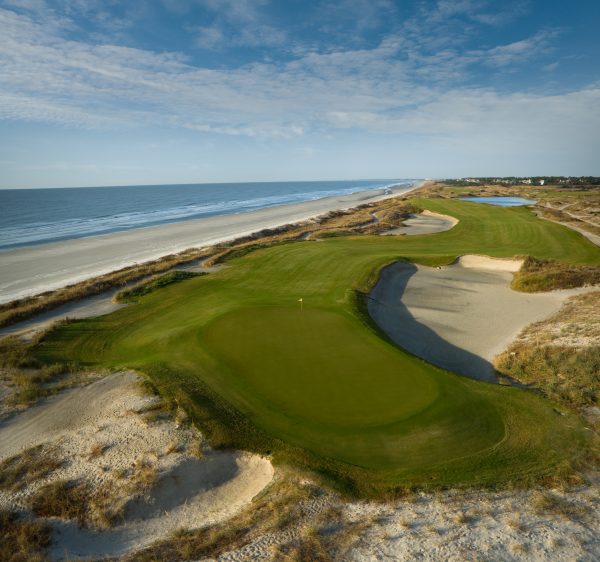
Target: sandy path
<point>190,492</point>
<point>426,222</point>
<point>460,316</point>
<point>35,269</point>
<point>96,305</point>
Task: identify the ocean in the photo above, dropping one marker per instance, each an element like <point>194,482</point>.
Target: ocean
<point>37,216</point>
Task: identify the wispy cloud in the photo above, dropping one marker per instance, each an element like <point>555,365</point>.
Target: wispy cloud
<point>237,23</point>
<point>398,86</point>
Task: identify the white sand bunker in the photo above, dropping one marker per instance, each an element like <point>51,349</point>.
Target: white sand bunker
<point>188,492</point>
<point>461,316</point>
<point>426,222</point>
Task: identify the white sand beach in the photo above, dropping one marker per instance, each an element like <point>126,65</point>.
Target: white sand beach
<point>33,270</point>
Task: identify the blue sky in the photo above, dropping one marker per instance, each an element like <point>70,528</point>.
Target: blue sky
<point>100,92</point>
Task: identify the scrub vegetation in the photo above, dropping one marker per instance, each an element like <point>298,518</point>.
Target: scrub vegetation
<point>319,387</point>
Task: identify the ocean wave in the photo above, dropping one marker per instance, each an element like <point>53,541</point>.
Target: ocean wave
<point>30,233</point>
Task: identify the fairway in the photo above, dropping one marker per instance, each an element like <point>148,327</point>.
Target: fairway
<point>320,387</point>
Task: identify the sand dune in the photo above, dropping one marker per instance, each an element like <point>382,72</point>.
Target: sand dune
<point>190,492</point>
<point>460,316</point>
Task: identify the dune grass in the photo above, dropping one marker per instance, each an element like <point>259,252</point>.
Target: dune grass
<point>546,275</point>
<point>28,540</point>
<point>320,387</point>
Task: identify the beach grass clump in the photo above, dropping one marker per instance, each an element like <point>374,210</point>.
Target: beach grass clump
<point>23,540</point>
<point>97,507</point>
<point>537,275</point>
<point>66,499</point>
<point>30,466</point>
<point>27,378</point>
<point>154,283</point>
<point>546,502</point>
<point>15,353</point>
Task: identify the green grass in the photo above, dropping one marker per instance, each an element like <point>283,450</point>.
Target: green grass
<point>321,387</point>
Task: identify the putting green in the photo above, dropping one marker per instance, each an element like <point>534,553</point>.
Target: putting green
<point>320,387</point>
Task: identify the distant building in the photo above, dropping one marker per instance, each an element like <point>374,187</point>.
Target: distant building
<point>527,181</point>
<point>542,182</point>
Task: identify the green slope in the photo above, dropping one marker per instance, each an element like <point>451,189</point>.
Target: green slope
<point>320,387</point>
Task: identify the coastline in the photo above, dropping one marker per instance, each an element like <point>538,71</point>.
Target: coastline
<point>35,269</point>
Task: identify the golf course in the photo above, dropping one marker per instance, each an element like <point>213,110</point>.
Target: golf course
<point>318,385</point>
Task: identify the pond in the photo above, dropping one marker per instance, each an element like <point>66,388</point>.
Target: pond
<point>500,201</point>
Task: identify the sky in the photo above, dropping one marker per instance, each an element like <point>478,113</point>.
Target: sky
<point>106,92</point>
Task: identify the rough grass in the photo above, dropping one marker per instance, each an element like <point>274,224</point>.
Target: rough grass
<point>148,286</point>
<point>22,540</point>
<point>537,275</point>
<point>25,378</point>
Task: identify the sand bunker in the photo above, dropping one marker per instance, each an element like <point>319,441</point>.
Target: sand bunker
<point>460,316</point>
<point>190,492</point>
<point>426,222</point>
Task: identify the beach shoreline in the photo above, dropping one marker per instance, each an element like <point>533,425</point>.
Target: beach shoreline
<point>36,269</point>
